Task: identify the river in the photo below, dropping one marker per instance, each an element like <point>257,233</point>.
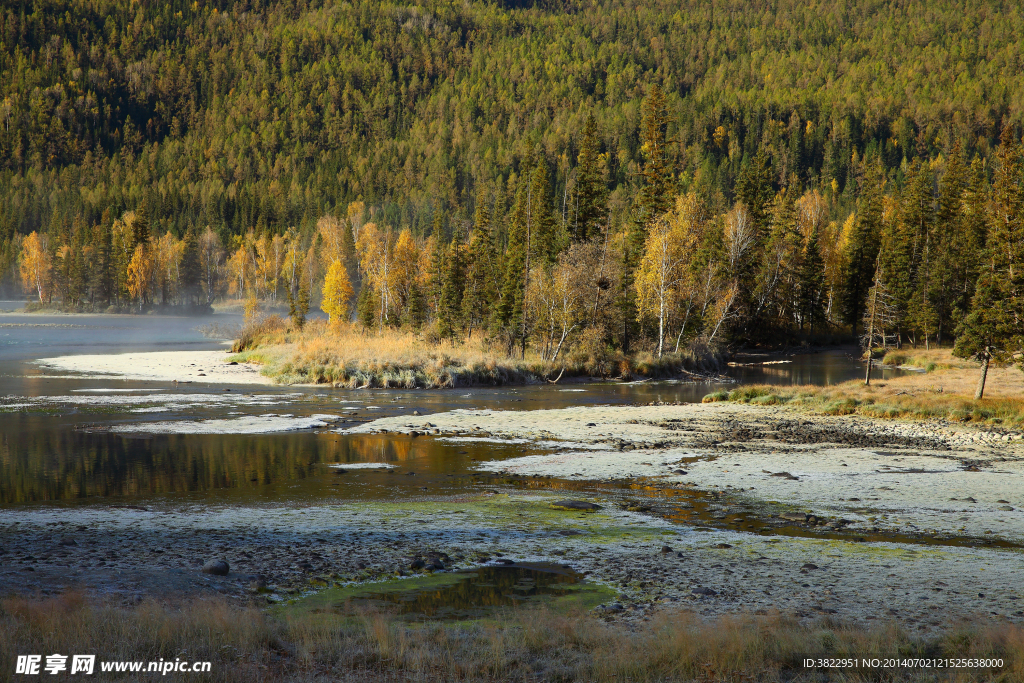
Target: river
<point>60,443</point>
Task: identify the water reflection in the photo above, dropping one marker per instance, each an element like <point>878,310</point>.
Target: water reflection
<point>472,594</point>
<point>52,454</point>
<point>49,465</point>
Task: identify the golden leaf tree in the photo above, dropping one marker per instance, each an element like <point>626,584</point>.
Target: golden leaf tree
<point>35,264</point>
<point>376,251</point>
<point>140,273</point>
<point>666,254</point>
<point>337,292</point>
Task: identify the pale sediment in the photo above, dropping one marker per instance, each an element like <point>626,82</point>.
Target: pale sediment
<point>876,475</point>
<point>210,367</point>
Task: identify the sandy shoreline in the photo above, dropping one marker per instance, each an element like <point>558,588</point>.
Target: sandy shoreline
<point>877,475</point>
<point>208,367</point>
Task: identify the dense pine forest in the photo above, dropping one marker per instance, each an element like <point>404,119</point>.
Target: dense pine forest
<point>550,174</point>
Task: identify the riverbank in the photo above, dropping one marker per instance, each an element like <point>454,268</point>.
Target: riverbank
<point>717,509</point>
<point>934,479</point>
<point>350,356</point>
<point>209,367</point>
<point>936,386</point>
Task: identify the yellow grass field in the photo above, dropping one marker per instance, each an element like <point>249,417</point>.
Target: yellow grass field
<point>944,391</point>
<point>350,356</point>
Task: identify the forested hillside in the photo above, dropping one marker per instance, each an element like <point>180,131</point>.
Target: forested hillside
<point>230,130</point>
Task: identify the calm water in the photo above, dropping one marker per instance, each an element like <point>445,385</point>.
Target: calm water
<point>56,448</point>
<point>472,593</point>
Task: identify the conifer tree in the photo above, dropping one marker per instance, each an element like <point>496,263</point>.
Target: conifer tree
<point>590,196</point>
<point>509,315</point>
<point>754,187</point>
<point>653,199</point>
<point>416,309</point>
<point>449,312</point>
<point>298,304</point>
<point>862,249</point>
<point>545,240</point>
<point>191,269</point>
<point>994,328</point>
<point>481,262</point>
<point>880,314</point>
<point>366,306</point>
<point>811,285</point>
<point>435,272</point>
<point>955,261</point>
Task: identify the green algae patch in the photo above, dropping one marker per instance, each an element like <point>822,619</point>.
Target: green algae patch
<point>467,595</point>
<point>521,519</point>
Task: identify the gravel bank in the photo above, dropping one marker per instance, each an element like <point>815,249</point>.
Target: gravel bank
<point>276,553</point>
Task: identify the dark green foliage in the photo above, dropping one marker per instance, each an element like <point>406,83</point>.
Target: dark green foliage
<point>453,282</point>
<point>481,262</point>
<point>366,307</point>
<point>862,250</point>
<point>509,321</point>
<point>590,198</point>
<point>415,313</point>
<point>191,270</point>
<point>298,305</point>
<point>811,286</point>
<point>755,188</point>
<point>994,328</point>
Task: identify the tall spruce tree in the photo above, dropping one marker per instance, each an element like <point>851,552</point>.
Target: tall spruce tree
<point>449,310</point>
<point>862,248</point>
<point>481,261</point>
<point>954,255</point>
<point>510,319</point>
<point>653,199</point>
<point>811,285</point>
<point>755,188</point>
<point>590,197</point>
<point>994,328</point>
<point>191,269</point>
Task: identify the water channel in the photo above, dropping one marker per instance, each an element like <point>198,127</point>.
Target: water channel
<point>60,444</point>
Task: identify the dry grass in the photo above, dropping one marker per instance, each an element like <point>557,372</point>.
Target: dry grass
<point>349,356</point>
<point>245,644</point>
<point>946,392</point>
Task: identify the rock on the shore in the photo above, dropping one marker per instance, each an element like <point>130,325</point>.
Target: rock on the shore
<point>217,567</point>
<point>575,505</point>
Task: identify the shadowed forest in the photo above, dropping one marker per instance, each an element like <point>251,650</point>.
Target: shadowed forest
<point>553,174</point>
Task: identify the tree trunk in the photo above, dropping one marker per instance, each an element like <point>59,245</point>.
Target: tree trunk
<point>980,393</point>
<point>565,333</point>
<point>661,326</point>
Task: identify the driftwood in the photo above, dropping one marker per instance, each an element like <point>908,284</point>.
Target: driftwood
<point>555,380</point>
